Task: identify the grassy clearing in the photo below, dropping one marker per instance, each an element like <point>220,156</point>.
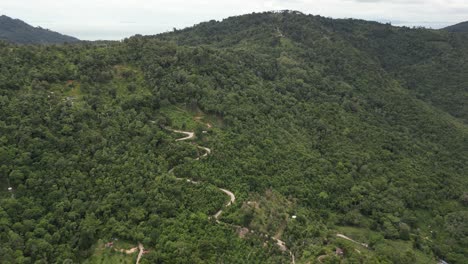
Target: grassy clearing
<point>181,118</point>
<point>359,234</point>
<point>103,255</point>
<point>128,81</point>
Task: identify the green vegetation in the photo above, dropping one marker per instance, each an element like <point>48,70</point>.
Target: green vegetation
<point>17,31</point>
<point>397,251</point>
<point>352,127</point>
<point>180,118</point>
<point>110,255</point>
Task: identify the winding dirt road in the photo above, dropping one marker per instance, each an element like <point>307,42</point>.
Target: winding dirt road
<point>207,152</point>
<point>232,200</point>
<point>190,135</point>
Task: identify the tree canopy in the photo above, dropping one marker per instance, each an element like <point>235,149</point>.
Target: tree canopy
<point>352,127</point>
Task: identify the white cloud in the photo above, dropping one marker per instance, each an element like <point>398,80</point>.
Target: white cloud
<point>106,19</point>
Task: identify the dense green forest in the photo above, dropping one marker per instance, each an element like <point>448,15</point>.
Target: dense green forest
<point>17,31</point>
<point>322,128</point>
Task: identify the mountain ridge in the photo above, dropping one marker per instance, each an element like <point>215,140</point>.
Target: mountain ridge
<point>391,47</point>
<point>327,132</point>
<point>18,31</point>
<point>460,27</point>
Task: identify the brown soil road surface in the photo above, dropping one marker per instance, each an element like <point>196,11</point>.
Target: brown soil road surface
<point>141,248</point>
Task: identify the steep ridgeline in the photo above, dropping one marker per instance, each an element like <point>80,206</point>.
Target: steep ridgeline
<point>460,27</point>
<point>430,64</point>
<point>343,141</point>
<point>361,122</point>
<point>17,31</point>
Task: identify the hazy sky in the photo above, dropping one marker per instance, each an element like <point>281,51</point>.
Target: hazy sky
<point>117,19</point>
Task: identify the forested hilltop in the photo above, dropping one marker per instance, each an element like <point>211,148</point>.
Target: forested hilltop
<point>17,31</point>
<point>460,27</point>
<point>323,129</point>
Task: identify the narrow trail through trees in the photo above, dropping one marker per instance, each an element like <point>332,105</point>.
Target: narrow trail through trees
<point>352,240</point>
<point>232,198</point>
<point>140,254</point>
<point>189,135</point>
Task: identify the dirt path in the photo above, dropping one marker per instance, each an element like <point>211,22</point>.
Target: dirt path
<point>207,152</point>
<point>232,198</point>
<point>129,251</point>
<point>190,135</point>
<point>140,254</point>
<point>133,250</point>
<point>352,240</point>
<point>199,118</point>
<point>231,201</point>
<point>321,257</point>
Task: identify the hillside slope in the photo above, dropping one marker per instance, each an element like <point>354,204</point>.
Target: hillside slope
<point>17,31</point>
<point>460,27</point>
<point>312,124</point>
<point>428,63</point>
